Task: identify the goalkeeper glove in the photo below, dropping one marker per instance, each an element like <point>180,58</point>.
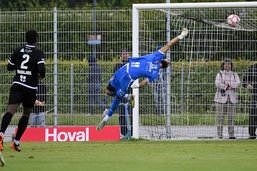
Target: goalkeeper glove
<point>249,87</point>
<point>135,84</point>
<point>183,34</point>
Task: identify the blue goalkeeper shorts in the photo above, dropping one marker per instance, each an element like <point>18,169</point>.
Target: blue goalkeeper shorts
<point>121,81</point>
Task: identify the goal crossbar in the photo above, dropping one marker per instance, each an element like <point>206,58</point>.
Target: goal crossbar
<point>195,5</point>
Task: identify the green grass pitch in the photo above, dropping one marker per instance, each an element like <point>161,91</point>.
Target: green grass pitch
<point>133,156</point>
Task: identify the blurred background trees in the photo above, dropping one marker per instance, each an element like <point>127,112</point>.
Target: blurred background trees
<point>25,4</point>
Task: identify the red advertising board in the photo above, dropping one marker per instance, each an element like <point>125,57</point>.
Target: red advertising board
<point>71,133</point>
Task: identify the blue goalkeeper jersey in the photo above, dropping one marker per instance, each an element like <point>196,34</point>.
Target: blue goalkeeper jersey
<point>146,66</point>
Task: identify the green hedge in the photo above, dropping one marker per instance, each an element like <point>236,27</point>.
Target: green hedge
<point>198,86</point>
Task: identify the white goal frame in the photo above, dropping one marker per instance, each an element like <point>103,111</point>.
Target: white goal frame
<point>135,36</point>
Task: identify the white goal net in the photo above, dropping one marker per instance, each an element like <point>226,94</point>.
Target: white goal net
<point>180,105</point>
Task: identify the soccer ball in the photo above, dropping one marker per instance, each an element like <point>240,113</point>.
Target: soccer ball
<point>233,20</point>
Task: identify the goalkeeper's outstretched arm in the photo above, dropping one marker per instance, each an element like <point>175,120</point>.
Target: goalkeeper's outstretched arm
<point>183,34</point>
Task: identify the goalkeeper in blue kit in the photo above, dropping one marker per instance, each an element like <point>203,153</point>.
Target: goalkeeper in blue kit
<point>147,67</point>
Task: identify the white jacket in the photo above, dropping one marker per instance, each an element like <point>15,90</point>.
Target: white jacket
<point>224,78</point>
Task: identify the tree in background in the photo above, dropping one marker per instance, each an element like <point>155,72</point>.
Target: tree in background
<point>25,4</point>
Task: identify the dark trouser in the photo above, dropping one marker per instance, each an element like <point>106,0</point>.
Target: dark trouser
<point>122,119</point>
<point>94,98</point>
<point>253,121</point>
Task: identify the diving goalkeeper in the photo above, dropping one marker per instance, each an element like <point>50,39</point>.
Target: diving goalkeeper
<point>147,67</point>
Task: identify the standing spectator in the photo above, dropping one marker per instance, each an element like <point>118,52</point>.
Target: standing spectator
<point>123,108</point>
<point>29,65</point>
<point>250,82</point>
<point>38,113</point>
<point>226,97</point>
<point>94,81</point>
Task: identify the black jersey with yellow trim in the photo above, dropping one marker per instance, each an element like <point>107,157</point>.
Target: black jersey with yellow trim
<point>29,63</point>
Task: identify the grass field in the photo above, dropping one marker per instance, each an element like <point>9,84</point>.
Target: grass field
<point>134,156</point>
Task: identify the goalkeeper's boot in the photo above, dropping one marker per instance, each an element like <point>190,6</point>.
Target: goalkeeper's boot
<point>1,142</point>
<point>101,125</point>
<point>2,162</point>
<point>131,100</point>
<point>15,147</point>
<point>105,112</point>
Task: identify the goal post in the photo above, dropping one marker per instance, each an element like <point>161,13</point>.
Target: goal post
<point>193,5</point>
<point>205,31</point>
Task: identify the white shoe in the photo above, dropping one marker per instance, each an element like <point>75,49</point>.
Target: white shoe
<point>105,112</point>
<point>101,125</point>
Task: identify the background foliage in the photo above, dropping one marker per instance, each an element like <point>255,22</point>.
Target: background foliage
<point>198,89</point>
<point>25,4</point>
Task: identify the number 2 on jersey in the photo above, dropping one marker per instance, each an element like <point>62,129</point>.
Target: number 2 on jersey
<point>23,64</point>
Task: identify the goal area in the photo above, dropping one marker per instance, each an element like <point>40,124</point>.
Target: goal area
<point>180,104</point>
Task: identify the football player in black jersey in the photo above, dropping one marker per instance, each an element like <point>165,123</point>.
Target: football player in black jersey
<point>29,64</point>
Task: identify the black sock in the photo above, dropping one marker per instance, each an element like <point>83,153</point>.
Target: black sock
<point>6,121</point>
<point>22,125</point>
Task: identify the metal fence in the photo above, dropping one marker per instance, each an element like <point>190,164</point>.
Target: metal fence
<point>75,90</point>
<point>70,39</point>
